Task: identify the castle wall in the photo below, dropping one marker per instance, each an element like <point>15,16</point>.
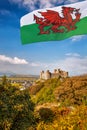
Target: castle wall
<point>56,74</point>
<point>47,74</point>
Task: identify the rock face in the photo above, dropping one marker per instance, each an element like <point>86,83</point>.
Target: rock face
<point>56,74</point>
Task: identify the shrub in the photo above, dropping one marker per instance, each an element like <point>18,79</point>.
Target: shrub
<point>16,108</point>
<point>72,91</point>
<point>46,114</point>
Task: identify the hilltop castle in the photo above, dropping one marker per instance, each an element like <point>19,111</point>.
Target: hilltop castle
<point>56,74</point>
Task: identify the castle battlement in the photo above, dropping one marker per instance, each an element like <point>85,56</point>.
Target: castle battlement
<point>56,74</point>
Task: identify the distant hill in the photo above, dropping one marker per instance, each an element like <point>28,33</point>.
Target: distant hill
<point>22,76</point>
<point>7,73</point>
<point>11,74</point>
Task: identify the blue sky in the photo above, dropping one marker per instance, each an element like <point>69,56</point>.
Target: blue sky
<point>69,55</point>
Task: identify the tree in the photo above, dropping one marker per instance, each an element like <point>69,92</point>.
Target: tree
<point>16,107</point>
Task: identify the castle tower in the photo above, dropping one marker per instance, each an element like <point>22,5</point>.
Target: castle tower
<point>65,74</point>
<point>58,71</point>
<point>42,74</point>
<point>55,71</point>
<point>47,74</point>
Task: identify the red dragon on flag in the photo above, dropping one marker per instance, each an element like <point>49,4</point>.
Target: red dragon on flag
<point>57,23</point>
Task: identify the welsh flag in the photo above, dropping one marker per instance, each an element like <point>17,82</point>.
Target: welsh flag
<point>53,24</point>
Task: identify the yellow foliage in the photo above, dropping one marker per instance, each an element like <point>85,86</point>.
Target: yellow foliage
<point>75,120</point>
<point>18,107</point>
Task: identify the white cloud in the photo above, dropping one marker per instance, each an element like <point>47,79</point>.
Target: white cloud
<point>15,1</point>
<point>77,38</point>
<point>14,60</point>
<point>70,1</point>
<point>38,64</point>
<point>31,4</point>
<point>34,64</point>
<point>73,63</point>
<point>5,12</point>
<point>72,54</point>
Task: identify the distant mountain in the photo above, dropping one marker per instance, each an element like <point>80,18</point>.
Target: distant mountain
<point>24,75</point>
<point>11,74</point>
<point>7,73</point>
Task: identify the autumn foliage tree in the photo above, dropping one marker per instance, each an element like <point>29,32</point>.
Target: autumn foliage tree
<point>16,107</point>
<point>72,91</point>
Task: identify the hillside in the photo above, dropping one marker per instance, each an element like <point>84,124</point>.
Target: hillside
<point>54,104</point>
<point>61,104</point>
<point>43,92</point>
<point>68,91</point>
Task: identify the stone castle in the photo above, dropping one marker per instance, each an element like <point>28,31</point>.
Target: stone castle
<point>56,74</point>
